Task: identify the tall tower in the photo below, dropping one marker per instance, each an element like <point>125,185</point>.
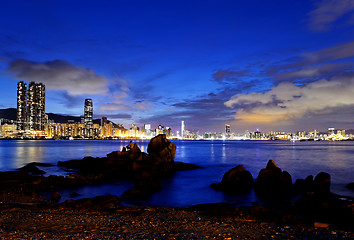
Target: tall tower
<point>21,105</point>
<point>227,130</point>
<point>88,112</point>
<point>182,129</point>
<point>103,121</point>
<point>40,101</point>
<point>35,106</point>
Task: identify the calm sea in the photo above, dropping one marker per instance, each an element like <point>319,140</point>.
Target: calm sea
<point>300,159</point>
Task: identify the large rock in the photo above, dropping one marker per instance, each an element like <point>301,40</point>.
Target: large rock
<point>322,183</point>
<point>161,149</point>
<point>304,185</point>
<point>32,168</point>
<point>238,179</point>
<point>273,182</point>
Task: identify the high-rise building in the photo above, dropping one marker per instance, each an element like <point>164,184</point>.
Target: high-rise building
<point>30,106</point>
<point>227,130</point>
<point>182,129</point>
<point>21,105</point>
<point>88,112</point>
<point>103,121</point>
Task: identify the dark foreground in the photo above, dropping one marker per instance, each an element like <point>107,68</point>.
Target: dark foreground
<point>31,222</point>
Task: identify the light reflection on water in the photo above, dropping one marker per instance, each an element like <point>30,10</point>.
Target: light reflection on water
<point>300,159</point>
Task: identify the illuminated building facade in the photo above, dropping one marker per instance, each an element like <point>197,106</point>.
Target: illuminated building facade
<point>30,106</point>
<point>21,105</point>
<point>182,129</point>
<point>88,112</point>
<point>103,121</point>
<point>228,130</point>
<point>35,106</point>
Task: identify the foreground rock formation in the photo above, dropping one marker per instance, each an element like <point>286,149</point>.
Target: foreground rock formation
<point>273,182</point>
<point>236,180</point>
<point>145,170</point>
<point>314,199</point>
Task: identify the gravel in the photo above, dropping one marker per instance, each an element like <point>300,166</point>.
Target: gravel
<point>147,223</point>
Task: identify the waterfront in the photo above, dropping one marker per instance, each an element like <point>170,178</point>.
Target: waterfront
<point>300,159</point>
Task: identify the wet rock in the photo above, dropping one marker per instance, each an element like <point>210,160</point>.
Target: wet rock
<point>236,180</point>
<point>146,182</point>
<point>181,166</point>
<point>106,202</point>
<point>32,168</point>
<point>133,194</point>
<point>14,177</point>
<point>350,186</point>
<point>86,165</point>
<point>272,182</point>
<point>322,183</point>
<point>304,185</point>
<point>75,194</point>
<point>55,197</point>
<point>161,149</point>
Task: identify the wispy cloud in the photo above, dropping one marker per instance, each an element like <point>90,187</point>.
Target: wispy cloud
<point>60,75</point>
<point>328,12</point>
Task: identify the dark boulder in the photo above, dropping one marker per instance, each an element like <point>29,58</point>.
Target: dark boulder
<point>85,165</point>
<point>146,182</point>
<point>75,194</point>
<point>55,197</point>
<point>32,168</point>
<point>304,185</point>
<point>273,182</point>
<point>181,166</point>
<point>322,183</point>
<point>350,186</point>
<point>238,179</point>
<point>106,202</point>
<point>161,149</point>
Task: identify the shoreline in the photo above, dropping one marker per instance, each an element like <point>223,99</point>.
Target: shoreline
<point>31,221</point>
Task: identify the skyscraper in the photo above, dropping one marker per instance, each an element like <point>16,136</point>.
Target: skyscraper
<point>36,106</point>
<point>30,106</point>
<point>227,129</point>
<point>103,121</point>
<point>88,112</point>
<point>182,129</point>
<point>21,105</point>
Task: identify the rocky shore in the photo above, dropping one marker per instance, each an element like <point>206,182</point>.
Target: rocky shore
<point>33,222</point>
<point>26,214</point>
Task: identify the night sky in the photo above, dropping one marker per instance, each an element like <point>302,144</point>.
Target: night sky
<point>273,65</point>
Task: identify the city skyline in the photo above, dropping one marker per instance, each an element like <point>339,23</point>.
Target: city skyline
<point>282,66</point>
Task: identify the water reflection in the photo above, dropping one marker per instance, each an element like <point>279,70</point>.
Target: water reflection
<point>300,159</point>
<point>24,154</point>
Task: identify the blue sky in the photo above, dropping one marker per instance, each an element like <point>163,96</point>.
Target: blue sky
<point>273,65</point>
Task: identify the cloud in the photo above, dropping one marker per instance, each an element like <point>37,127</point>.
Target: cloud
<point>119,116</point>
<point>325,70</point>
<point>311,66</point>
<point>60,75</point>
<point>328,12</point>
<point>286,101</point>
<point>227,75</point>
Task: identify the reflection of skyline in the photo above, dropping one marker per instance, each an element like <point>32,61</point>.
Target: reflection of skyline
<point>25,154</point>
